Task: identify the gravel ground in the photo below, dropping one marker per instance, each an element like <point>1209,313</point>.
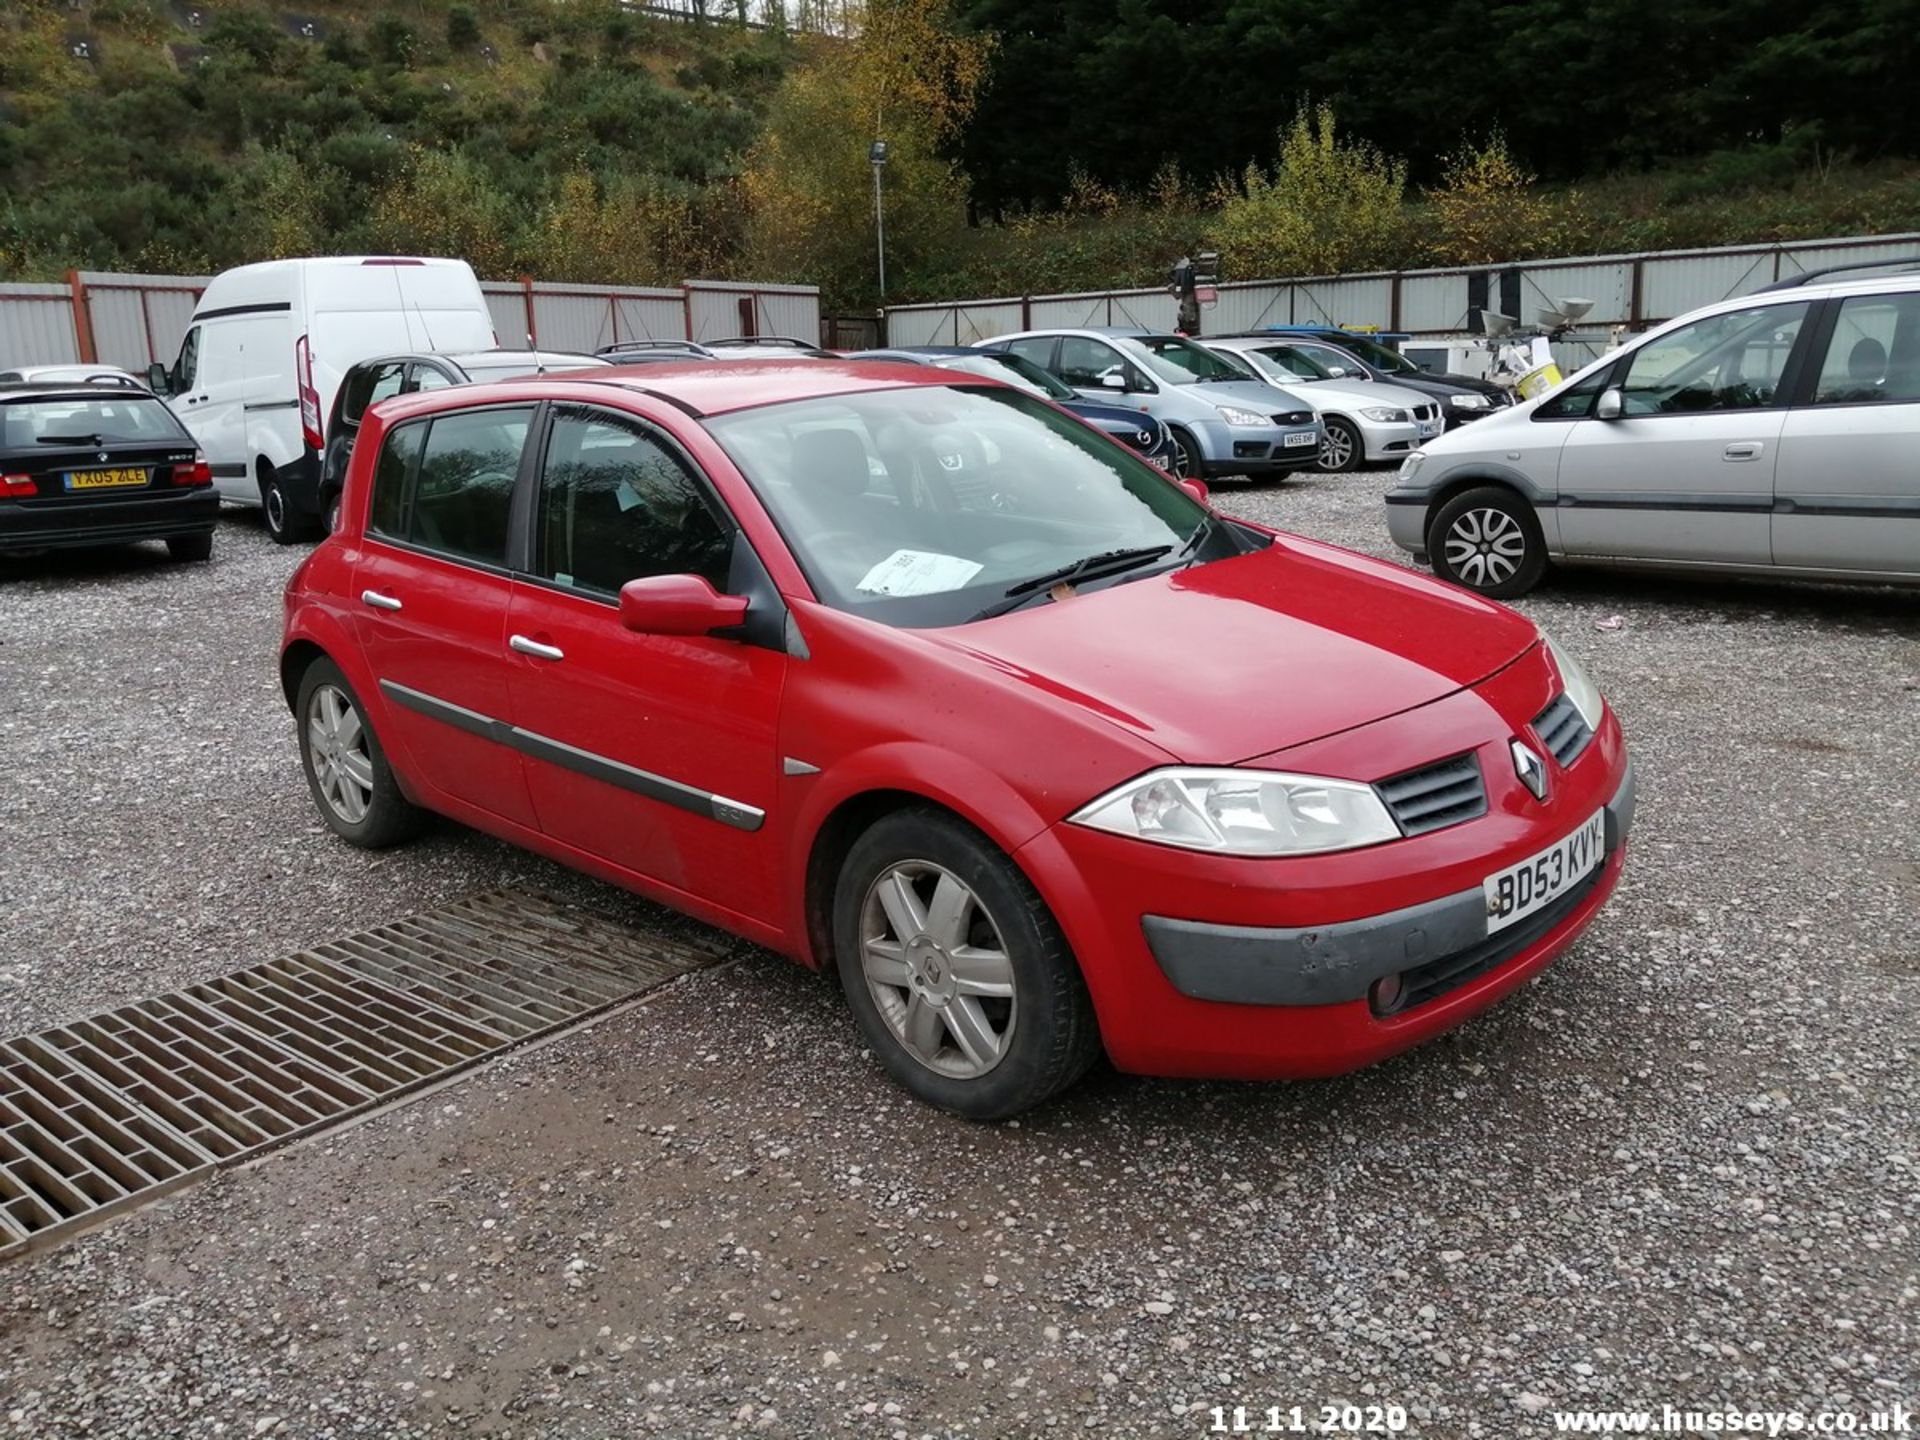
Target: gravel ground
<point>1682,1168</point>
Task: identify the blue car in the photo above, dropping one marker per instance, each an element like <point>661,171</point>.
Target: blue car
<point>1131,427</point>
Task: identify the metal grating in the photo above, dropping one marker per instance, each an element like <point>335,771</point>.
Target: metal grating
<point>115,1110</point>
<point>1436,796</point>
<point>1562,729</point>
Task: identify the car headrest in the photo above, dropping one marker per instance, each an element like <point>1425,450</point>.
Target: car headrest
<point>1867,361</point>
<point>830,460</point>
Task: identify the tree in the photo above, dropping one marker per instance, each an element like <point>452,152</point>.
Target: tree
<point>1486,207</point>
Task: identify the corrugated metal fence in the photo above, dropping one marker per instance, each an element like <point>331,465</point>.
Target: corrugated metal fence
<point>1636,291</point>
<point>130,320</point>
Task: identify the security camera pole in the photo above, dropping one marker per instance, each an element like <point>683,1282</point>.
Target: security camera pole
<point>877,155</point>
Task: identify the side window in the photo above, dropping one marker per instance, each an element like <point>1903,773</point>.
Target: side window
<point>617,505</point>
<point>429,377</point>
<point>188,363</point>
<point>391,475</point>
<point>463,492</point>
<point>1286,358</point>
<point>1575,402</point>
<point>369,384</point>
<point>1874,356</point>
<point>1724,362</point>
<point>1037,348</point>
<point>1084,361</point>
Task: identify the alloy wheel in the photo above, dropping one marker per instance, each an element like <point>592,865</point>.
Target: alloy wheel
<point>1336,449</point>
<point>937,969</point>
<point>337,751</point>
<point>1485,547</point>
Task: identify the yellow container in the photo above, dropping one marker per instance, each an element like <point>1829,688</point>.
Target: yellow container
<point>1536,383</point>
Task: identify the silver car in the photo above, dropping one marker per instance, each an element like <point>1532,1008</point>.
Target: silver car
<point>1774,434</point>
<point>1223,419</point>
<point>1366,421</point>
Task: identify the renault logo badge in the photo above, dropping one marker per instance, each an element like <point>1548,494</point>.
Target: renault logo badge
<point>1531,769</point>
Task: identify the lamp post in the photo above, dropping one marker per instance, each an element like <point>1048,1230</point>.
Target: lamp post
<point>877,156</point>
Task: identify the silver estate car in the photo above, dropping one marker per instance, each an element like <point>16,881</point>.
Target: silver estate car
<point>1775,434</point>
<point>1367,421</point>
<point>1223,420</point>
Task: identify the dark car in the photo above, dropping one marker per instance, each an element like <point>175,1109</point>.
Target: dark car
<point>85,465</point>
<point>1131,427</point>
<point>373,380</point>
<point>1463,397</point>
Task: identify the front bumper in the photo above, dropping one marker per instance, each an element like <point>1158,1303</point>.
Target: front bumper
<point>1407,512</point>
<point>1255,449</point>
<point>1200,965</point>
<point>62,523</point>
<point>1394,441</point>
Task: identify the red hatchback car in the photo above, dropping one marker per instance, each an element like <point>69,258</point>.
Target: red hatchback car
<point>912,674</point>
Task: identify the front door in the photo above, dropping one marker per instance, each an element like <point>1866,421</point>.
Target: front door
<point>1686,471</point>
<point>433,586</point>
<point>654,752</point>
<point>1848,490</point>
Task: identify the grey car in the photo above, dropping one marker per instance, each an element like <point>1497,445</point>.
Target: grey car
<point>1224,420</point>
<point>1367,421</point>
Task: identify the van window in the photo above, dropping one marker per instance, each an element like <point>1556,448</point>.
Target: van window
<point>616,505</point>
<point>185,367</point>
<point>461,490</point>
<point>1874,356</point>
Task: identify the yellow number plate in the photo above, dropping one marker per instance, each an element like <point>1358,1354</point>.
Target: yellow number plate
<point>105,479</point>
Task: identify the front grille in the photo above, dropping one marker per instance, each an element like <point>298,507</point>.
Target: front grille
<point>1436,796</point>
<point>1425,412</point>
<point>1294,417</point>
<point>1435,978</point>
<point>1563,730</point>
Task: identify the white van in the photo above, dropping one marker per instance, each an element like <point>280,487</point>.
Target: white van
<point>268,346</point>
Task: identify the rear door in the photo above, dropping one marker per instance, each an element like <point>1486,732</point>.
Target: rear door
<point>433,584</point>
<point>1686,472</point>
<point>1847,496</point>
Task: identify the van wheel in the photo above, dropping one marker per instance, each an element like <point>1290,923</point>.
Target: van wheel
<point>285,524</point>
<point>957,973</point>
<point>190,548</point>
<point>1488,540</point>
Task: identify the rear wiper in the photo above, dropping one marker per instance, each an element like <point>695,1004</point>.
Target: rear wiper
<point>1093,567</point>
<point>70,440</point>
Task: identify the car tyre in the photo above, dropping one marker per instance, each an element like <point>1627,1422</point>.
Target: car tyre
<point>931,924</point>
<point>346,766</point>
<point>1488,540</point>
<point>332,512</point>
<point>1340,448</point>
<point>191,548</point>
<point>1187,462</point>
<point>285,524</point>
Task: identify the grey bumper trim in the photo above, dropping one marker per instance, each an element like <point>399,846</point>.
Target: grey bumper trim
<point>1331,964</point>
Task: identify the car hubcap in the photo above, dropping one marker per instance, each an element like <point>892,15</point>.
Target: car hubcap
<point>1185,459</point>
<point>337,751</point>
<point>1336,449</point>
<point>1485,547</point>
<point>937,969</point>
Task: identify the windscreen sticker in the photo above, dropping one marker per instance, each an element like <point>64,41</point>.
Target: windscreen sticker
<point>918,572</point>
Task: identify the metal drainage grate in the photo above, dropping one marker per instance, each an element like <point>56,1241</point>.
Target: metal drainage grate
<point>113,1111</point>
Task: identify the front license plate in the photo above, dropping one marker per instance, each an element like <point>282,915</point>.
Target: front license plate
<point>1429,429</point>
<point>1519,890</point>
<point>1305,437</point>
<point>105,479</point>
<point>1159,462</point>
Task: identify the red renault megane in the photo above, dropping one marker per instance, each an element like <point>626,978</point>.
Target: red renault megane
<point>911,674</point>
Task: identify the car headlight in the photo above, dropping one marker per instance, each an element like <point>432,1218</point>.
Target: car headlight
<point>1468,401</point>
<point>1243,812</point>
<point>1386,417</point>
<point>1410,466</point>
<point>1581,690</point>
<point>1235,416</point>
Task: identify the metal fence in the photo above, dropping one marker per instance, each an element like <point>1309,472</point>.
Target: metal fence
<point>130,320</point>
<point>1635,291</point>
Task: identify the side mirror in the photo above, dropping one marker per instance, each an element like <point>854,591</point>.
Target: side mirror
<point>678,605</point>
<point>1197,489</point>
<point>1113,380</point>
<point>157,378</point>
<point>1610,406</point>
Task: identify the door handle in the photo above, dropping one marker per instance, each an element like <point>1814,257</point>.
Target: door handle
<point>535,648</point>
<point>1744,450</point>
<point>379,601</point>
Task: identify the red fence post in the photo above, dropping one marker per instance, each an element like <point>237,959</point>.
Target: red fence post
<point>82,318</point>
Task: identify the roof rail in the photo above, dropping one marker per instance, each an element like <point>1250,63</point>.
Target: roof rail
<point>622,347</point>
<point>1807,277</point>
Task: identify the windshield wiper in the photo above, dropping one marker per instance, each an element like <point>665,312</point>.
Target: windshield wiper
<point>1093,567</point>
<point>70,440</point>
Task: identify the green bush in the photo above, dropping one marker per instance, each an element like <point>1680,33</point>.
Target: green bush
<point>463,28</point>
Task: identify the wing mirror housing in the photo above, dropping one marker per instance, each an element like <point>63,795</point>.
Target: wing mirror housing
<point>1113,380</point>
<point>1197,489</point>
<point>1611,405</point>
<point>157,378</point>
<point>678,605</point>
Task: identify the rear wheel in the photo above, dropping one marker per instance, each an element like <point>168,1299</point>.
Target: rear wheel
<point>284,523</point>
<point>191,547</point>
<point>957,973</point>
<point>333,512</point>
<point>347,770</point>
<point>1340,447</point>
<point>1488,540</point>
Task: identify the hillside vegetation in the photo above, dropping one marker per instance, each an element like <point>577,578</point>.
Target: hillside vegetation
<point>1070,146</point>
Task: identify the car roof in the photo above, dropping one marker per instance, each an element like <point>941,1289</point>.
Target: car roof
<point>71,390</point>
<point>464,358</point>
<point>702,388</point>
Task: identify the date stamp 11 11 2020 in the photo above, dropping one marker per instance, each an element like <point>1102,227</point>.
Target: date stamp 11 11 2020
<point>1307,1420</point>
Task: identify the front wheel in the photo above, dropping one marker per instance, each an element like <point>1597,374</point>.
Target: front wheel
<point>1488,540</point>
<point>1187,463</point>
<point>1340,447</point>
<point>346,766</point>
<point>957,973</point>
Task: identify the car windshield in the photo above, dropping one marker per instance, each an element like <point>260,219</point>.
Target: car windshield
<point>1181,362</point>
<point>1013,369</point>
<point>88,420</point>
<point>923,506</point>
<point>1381,357</point>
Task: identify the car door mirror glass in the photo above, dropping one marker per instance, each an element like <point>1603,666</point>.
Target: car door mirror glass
<point>678,605</point>
<point>1113,380</point>
<point>1610,406</point>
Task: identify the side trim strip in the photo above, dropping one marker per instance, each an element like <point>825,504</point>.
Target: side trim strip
<point>582,762</point>
<point>1870,507</point>
<point>273,405</point>
<point>1664,500</point>
<point>229,471</point>
<point>269,308</point>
